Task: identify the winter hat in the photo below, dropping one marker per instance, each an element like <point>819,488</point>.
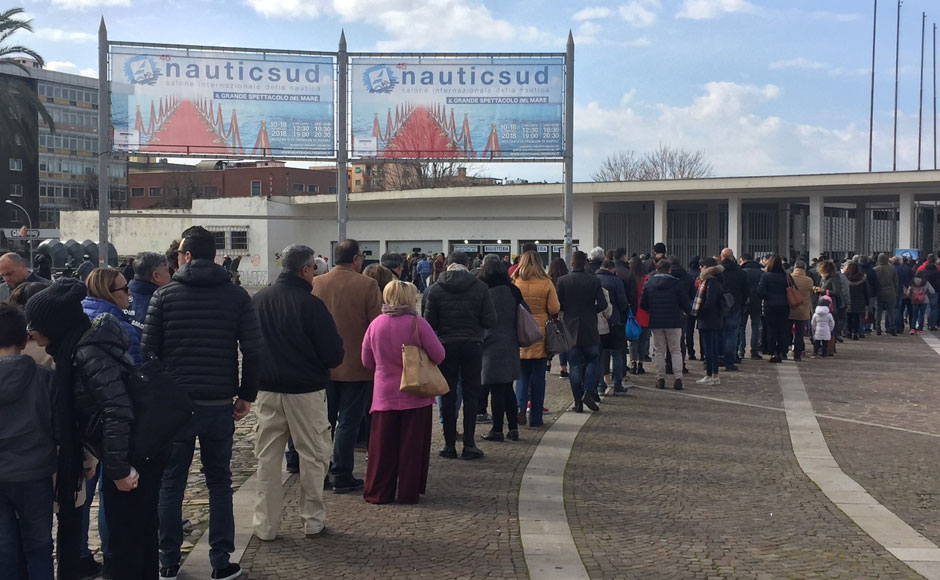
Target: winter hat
<point>58,309</point>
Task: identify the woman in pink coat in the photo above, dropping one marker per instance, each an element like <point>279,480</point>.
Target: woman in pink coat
<point>400,440</point>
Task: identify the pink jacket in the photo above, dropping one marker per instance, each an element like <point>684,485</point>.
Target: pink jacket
<point>381,351</point>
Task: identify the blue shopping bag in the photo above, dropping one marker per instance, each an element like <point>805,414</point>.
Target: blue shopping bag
<point>634,330</point>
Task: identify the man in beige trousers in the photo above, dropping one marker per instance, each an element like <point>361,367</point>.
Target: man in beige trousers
<point>301,346</point>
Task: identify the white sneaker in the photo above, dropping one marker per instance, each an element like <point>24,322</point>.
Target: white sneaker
<point>609,392</point>
<point>714,381</point>
<point>704,381</point>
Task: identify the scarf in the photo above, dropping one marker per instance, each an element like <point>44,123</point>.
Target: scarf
<point>399,310</point>
<point>699,298</point>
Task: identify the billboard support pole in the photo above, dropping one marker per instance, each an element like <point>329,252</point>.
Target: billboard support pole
<point>104,145</point>
<point>342,155</point>
<point>569,139</point>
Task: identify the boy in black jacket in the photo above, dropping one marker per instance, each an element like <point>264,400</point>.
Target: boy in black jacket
<point>27,452</point>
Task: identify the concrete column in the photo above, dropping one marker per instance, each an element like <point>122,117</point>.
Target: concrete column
<point>816,234</point>
<point>713,243</point>
<point>906,226</point>
<point>660,220</point>
<point>861,227</point>
<point>783,228</point>
<point>445,246</point>
<point>735,225</point>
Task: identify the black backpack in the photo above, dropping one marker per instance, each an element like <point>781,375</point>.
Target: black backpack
<point>161,409</point>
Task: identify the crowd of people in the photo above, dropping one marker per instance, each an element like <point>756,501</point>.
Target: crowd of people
<point>318,356</point>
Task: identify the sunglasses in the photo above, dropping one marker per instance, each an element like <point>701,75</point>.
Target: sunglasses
<point>126,289</point>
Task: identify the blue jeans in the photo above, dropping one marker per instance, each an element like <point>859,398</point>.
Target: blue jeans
<point>888,309</point>
<point>903,305</point>
<point>214,426</point>
<point>563,359</point>
<point>346,406</point>
<point>616,367</point>
<point>710,344</point>
<point>755,334</point>
<point>26,521</point>
<point>730,337</point>
<point>932,320</point>
<point>91,488</point>
<point>585,364</point>
<point>917,317</point>
<point>531,387</point>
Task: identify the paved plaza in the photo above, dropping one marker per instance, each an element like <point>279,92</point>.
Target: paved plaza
<point>711,482</point>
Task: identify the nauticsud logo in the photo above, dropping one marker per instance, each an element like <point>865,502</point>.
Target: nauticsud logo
<point>379,79</point>
<point>142,70</point>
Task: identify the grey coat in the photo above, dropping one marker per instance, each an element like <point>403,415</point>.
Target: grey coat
<point>500,345</point>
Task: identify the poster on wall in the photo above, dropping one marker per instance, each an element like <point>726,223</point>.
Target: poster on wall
<point>479,108</point>
<point>204,102</point>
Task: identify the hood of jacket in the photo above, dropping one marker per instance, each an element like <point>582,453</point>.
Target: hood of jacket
<point>602,272</point>
<point>919,281</point>
<point>882,260</point>
<point>142,287</point>
<point>711,272</point>
<point>822,309</point>
<point>730,265</point>
<point>856,280</point>
<point>678,271</point>
<point>751,265</point>
<point>202,273</point>
<point>456,281</point>
<point>661,281</point>
<point>106,332</point>
<point>16,373</point>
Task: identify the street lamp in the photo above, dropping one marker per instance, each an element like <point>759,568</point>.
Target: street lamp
<point>29,241</point>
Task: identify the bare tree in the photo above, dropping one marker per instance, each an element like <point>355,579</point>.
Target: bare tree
<point>427,174</point>
<point>664,162</point>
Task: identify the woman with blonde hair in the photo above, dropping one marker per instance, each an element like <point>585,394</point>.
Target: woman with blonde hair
<point>538,291</point>
<point>400,439</point>
<point>109,292</point>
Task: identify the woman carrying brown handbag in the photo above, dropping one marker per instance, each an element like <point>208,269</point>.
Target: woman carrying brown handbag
<point>400,439</point>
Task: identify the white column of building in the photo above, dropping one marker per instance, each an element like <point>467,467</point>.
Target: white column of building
<point>906,221</point>
<point>660,220</point>
<point>735,225</point>
<point>816,234</point>
<point>784,243</point>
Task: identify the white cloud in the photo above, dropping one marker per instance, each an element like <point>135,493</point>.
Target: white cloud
<point>834,16</point>
<point>587,32</point>
<point>708,9</point>
<point>414,24</point>
<point>71,68</point>
<point>59,35</point>
<point>89,72</point>
<point>801,63</point>
<point>83,4</point>
<point>593,13</point>
<point>723,123</point>
<point>640,13</point>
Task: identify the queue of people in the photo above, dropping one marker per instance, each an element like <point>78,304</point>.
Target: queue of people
<point>318,356</point>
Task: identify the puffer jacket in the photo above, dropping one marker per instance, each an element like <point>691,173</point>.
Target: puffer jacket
<point>858,294</point>
<point>823,323</point>
<point>665,298</point>
<point>773,289</point>
<point>753,271</point>
<point>459,307</point>
<point>195,324</point>
<point>105,411</point>
<point>141,291</point>
<point>709,313</point>
<point>931,275</point>
<point>539,294</point>
<point>27,398</point>
<point>735,280</point>
<point>95,307</point>
<point>618,296</point>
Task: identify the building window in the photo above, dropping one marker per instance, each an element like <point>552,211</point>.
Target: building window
<point>137,192</point>
<point>16,190</point>
<point>358,182</point>
<point>313,189</point>
<point>239,240</point>
<point>219,240</point>
<point>15,215</point>
<point>332,189</point>
<point>298,188</point>
<point>16,164</point>
<point>156,191</point>
<point>255,188</point>
<point>119,194</point>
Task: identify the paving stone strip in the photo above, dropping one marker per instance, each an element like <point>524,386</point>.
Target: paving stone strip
<point>932,341</point>
<point>550,551</point>
<point>815,459</point>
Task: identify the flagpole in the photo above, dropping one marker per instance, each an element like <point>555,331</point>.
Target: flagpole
<point>920,109</point>
<point>897,53</point>
<point>871,114</point>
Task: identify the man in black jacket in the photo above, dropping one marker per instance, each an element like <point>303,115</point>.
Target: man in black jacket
<point>667,302</point>
<point>582,297</point>
<point>630,285</point>
<point>196,325</point>
<point>734,281</point>
<point>301,346</point>
<point>459,309</point>
<point>752,309</point>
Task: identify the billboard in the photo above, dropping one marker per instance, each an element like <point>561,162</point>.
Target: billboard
<point>431,107</point>
<point>208,102</point>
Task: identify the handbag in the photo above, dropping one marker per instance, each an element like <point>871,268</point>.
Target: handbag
<point>419,375</point>
<point>794,298</point>
<point>527,328</point>
<point>162,409</point>
<point>557,337</point>
<point>634,330</point>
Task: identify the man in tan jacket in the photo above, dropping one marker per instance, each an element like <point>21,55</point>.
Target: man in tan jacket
<point>353,300</point>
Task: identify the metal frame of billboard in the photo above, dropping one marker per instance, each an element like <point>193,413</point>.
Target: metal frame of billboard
<point>341,118</point>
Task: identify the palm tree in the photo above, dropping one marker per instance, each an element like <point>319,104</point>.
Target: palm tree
<point>19,103</point>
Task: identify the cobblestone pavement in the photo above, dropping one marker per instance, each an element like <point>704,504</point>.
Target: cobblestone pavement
<point>675,487</point>
<point>465,527</point>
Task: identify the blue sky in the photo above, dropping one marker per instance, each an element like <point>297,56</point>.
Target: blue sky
<point>761,87</point>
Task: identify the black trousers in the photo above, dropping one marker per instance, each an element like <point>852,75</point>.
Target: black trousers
<point>503,401</point>
<point>778,330</point>
<point>133,522</point>
<point>463,362</point>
